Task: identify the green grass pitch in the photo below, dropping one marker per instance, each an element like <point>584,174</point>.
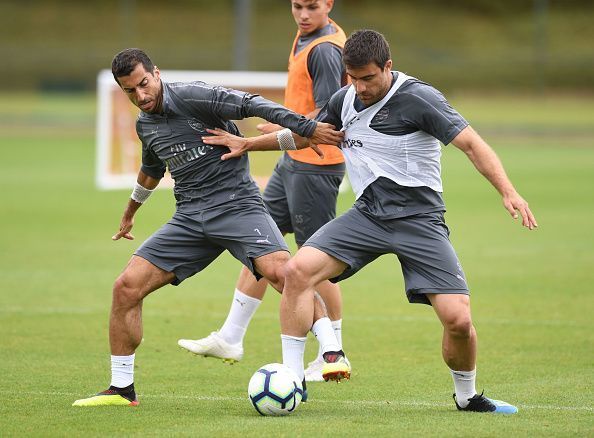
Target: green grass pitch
<point>532,295</point>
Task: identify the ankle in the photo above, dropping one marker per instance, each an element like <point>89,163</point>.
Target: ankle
<point>332,356</point>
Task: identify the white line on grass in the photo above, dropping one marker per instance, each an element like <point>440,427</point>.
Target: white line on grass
<point>274,316</point>
<point>344,402</point>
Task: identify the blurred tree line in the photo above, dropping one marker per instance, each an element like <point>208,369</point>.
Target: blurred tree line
<point>531,45</point>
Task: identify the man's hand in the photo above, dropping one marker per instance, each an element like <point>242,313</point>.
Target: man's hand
<point>267,128</point>
<point>237,145</point>
<point>326,134</point>
<point>125,228</point>
<point>514,203</point>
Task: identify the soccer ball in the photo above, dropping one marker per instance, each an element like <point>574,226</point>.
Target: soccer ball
<point>275,390</point>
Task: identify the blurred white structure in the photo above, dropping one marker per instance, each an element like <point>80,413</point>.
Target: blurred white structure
<point>118,148</point>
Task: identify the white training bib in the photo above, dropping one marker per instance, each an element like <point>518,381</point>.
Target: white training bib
<point>411,160</point>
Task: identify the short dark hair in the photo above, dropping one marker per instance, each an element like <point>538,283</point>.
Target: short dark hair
<point>127,60</point>
<point>365,46</point>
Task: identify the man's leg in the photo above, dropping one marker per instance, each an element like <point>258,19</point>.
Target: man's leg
<point>248,284</point>
<point>249,292</point>
<point>459,335</point>
<point>247,297</point>
<point>459,353</point>
<point>227,343</point>
<point>139,279</point>
<point>307,269</point>
<point>323,325</point>
<point>272,267</point>
<point>332,297</point>
<point>330,293</point>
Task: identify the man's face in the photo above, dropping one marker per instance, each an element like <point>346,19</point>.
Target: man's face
<point>142,87</point>
<point>371,82</point>
<point>311,15</point>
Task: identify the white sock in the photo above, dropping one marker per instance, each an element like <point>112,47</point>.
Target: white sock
<point>293,350</point>
<point>122,370</point>
<point>337,326</point>
<point>323,331</point>
<point>242,310</point>
<point>320,356</point>
<point>464,384</point>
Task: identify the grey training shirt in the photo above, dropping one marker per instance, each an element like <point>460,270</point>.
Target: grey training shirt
<point>173,140</point>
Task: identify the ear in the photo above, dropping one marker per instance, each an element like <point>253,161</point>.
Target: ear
<point>388,65</point>
<point>156,72</point>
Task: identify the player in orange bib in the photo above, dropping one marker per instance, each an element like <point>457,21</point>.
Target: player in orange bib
<point>302,191</point>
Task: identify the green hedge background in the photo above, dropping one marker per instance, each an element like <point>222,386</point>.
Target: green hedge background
<point>525,45</point>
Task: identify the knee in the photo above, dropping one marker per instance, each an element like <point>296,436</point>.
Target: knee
<point>297,275</point>
<point>275,273</point>
<point>125,293</point>
<point>276,277</point>
<point>459,326</point>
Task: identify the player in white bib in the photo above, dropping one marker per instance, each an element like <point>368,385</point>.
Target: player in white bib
<point>392,125</point>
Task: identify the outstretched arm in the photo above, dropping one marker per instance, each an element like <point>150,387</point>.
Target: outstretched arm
<point>488,164</point>
<point>324,133</point>
<point>145,184</point>
<point>231,104</point>
<point>267,128</point>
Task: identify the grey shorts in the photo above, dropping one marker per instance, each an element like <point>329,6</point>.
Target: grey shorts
<point>421,243</point>
<point>191,240</point>
<point>302,197</point>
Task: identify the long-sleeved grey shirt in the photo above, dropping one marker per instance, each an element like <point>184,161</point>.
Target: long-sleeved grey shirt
<point>173,140</point>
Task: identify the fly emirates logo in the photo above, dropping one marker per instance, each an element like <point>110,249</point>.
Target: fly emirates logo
<point>182,154</point>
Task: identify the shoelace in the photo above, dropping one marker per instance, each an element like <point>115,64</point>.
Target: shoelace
<point>477,403</point>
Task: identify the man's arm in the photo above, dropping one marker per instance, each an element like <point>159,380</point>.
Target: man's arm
<point>323,134</point>
<point>488,164</point>
<point>325,67</point>
<point>267,128</point>
<point>231,104</point>
<point>146,182</point>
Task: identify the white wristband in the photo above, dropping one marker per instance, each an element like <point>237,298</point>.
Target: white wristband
<point>285,140</point>
<point>140,194</point>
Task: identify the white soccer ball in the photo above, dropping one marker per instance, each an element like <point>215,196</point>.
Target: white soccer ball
<point>275,390</point>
